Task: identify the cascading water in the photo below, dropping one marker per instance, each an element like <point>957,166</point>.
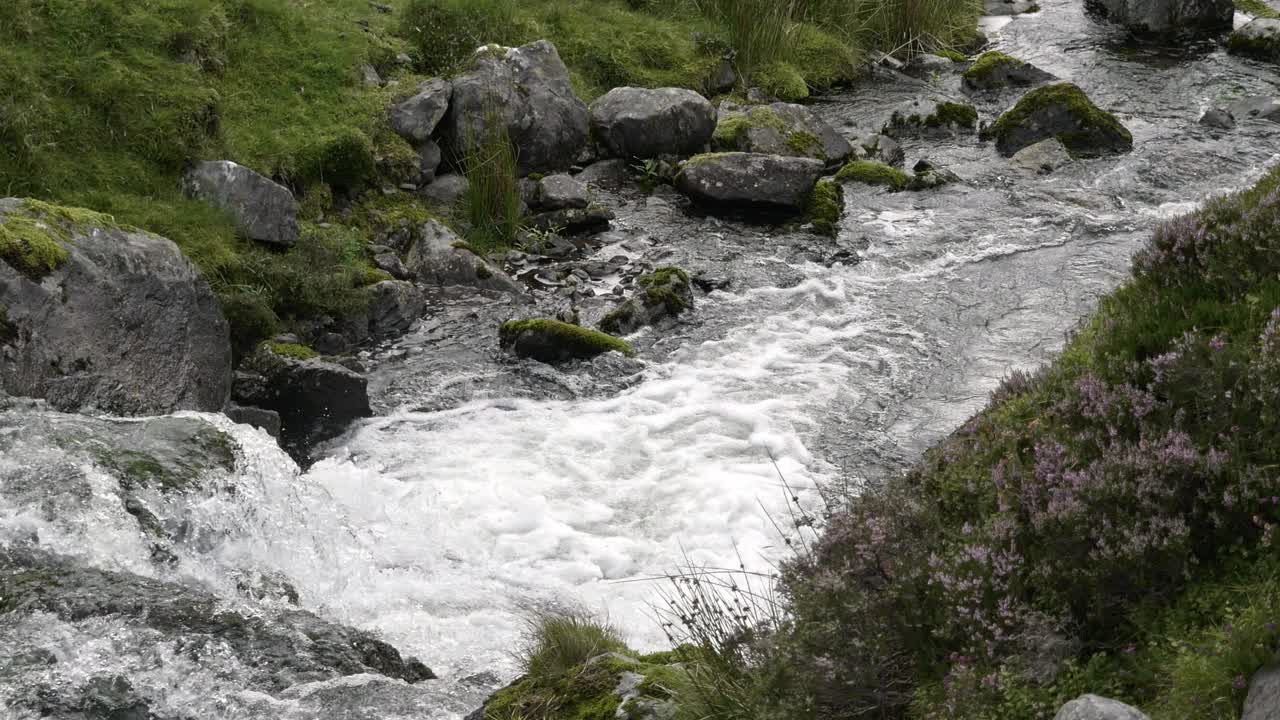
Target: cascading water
<point>490,488</point>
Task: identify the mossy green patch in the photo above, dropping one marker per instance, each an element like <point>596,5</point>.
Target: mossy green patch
<point>871,172</point>
<point>732,130</point>
<point>667,286</point>
<point>951,55</point>
<point>579,340</point>
<point>32,236</point>
<point>1257,8</point>
<point>781,80</point>
<point>293,351</point>
<point>826,205</point>
<point>989,62</point>
<point>1092,124</point>
<point>955,114</point>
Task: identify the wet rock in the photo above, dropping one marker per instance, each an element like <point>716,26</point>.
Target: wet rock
<point>724,79</point>
<point>441,258</point>
<point>647,123</point>
<point>929,63</point>
<point>527,91</point>
<point>1263,700</point>
<point>416,118</point>
<point>574,221</point>
<point>660,297</point>
<point>445,190</point>
<point>928,176</point>
<point>316,400</point>
<point>263,210</point>
<point>885,148</point>
<point>612,173</point>
<point>429,159</point>
<point>105,697</point>
<point>996,70</point>
<point>268,420</point>
<point>553,341</point>
<point>561,192</point>
<point>332,343</point>
<point>394,305</point>
<point>931,118</point>
<point>750,180</point>
<point>708,283</point>
<point>99,317</point>
<point>269,585</point>
<point>391,264</point>
<point>779,129</point>
<point>1258,39</point>
<point>1042,158</point>
<point>1093,707</point>
<point>369,76</point>
<point>1218,118</point>
<point>1009,7</point>
<point>282,648</point>
<point>1258,107</point>
<point>1065,112</point>
<point>1196,17</point>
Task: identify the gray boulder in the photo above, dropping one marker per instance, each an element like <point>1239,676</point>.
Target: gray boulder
<point>1263,700</point>
<point>612,173</point>
<point>1167,16</point>
<point>560,192</point>
<point>633,122</point>
<point>441,258</point>
<point>268,420</point>
<point>416,118</point>
<point>1041,158</point>
<point>394,305</point>
<point>391,264</point>
<point>263,210</point>
<point>750,180</point>
<point>780,129</point>
<point>429,158</point>
<point>1258,39</point>
<point>1063,111</point>
<point>446,190</point>
<point>527,92</point>
<point>316,399</point>
<point>1093,707</point>
<point>662,295</point>
<point>997,71</point>
<point>116,320</point>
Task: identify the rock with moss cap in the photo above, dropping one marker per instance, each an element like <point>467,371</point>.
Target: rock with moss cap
<point>661,297</point>
<point>553,341</point>
<point>779,129</point>
<point>1258,39</point>
<point>996,71</point>
<point>526,91</point>
<point>102,317</point>
<point>925,117</point>
<point>611,685</point>
<point>263,210</point>
<point>629,122</point>
<point>1183,17</point>
<point>870,172</point>
<point>1061,111</point>
<point>750,180</point>
<point>826,207</point>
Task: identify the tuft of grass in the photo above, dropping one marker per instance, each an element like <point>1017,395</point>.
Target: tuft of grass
<point>556,642</point>
<point>1256,8</point>
<point>871,172</point>
<point>492,205</point>
<point>294,351</point>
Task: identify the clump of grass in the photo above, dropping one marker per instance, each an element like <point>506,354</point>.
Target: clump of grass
<point>446,32</point>
<point>871,172</point>
<point>492,204</point>
<point>557,642</point>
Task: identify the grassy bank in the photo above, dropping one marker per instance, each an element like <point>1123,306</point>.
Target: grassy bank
<point>104,102</point>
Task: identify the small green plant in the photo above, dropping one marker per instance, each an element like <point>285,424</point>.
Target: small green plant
<point>556,642</point>
<point>492,204</point>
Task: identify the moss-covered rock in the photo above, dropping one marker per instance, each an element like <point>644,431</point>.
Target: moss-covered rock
<point>870,172</point>
<point>779,129</point>
<point>292,350</point>
<point>931,118</point>
<point>33,235</point>
<point>1063,111</point>
<point>826,205</point>
<point>607,687</point>
<point>663,295</point>
<point>996,70</point>
<point>552,341</point>
<point>1260,39</point>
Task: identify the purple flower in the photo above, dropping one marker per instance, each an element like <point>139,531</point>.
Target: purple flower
<point>1218,343</point>
<point>1239,683</point>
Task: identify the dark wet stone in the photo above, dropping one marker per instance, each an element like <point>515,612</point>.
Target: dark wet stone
<point>268,420</point>
<point>1218,118</point>
<point>661,297</point>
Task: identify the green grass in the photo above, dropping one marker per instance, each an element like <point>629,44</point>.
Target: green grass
<point>294,351</point>
<point>871,172</point>
<point>1256,8</point>
<point>491,205</point>
<point>556,642</point>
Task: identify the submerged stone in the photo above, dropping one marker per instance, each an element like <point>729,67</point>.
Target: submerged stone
<point>553,341</point>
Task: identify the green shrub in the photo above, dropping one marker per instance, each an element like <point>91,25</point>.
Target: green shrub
<point>250,317</point>
<point>446,32</point>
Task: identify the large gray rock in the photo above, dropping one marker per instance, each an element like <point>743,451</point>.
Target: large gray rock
<point>1094,707</point>
<point>633,122</point>
<point>1063,111</point>
<point>125,324</point>
<point>446,191</point>
<point>1259,39</point>
<point>441,258</point>
<point>997,71</point>
<point>394,305</point>
<point>1167,16</point>
<point>750,180</point>
<point>780,129</point>
<point>263,210</point>
<point>416,118</point>
<point>527,91</point>
<point>316,399</point>
<point>1263,700</point>
<point>560,192</point>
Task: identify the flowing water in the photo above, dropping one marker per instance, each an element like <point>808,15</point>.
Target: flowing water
<point>490,488</point>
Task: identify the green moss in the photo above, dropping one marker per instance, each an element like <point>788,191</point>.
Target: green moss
<point>292,350</point>
<point>951,113</point>
<point>781,80</point>
<point>989,62</point>
<point>574,337</point>
<point>1256,8</point>
<point>32,237</point>
<point>871,172</point>
<point>731,132</point>
<point>951,55</point>
<point>251,319</point>
<point>668,286</point>
<point>806,143</point>
<point>1091,121</point>
<point>826,205</point>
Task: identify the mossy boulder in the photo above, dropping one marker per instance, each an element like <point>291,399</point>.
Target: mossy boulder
<point>750,180</point>
<point>103,317</point>
<point>662,296</point>
<point>1061,111</point>
<point>1259,39</point>
<point>996,71</point>
<point>931,118</point>
<point>826,206</point>
<point>779,129</point>
<point>870,172</point>
<point>553,341</point>
<point>610,686</point>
